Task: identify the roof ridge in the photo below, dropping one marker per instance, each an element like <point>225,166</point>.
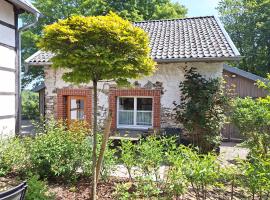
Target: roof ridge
<point>159,20</point>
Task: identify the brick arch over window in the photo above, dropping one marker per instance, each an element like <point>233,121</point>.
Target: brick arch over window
<point>133,92</point>
<point>62,95</point>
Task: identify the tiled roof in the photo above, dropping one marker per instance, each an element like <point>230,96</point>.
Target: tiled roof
<point>176,40</point>
<point>25,5</point>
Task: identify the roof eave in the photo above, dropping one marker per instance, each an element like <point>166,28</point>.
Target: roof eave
<point>205,59</point>
<point>25,7</point>
<point>228,38</point>
<point>38,63</point>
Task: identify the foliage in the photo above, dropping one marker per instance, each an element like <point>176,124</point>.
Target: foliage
<point>30,105</point>
<point>58,153</point>
<point>151,156</point>
<point>201,171</point>
<point>54,10</point>
<point>13,156</point>
<point>128,155</point>
<point>256,177</point>
<point>202,109</point>
<point>98,48</point>
<point>37,190</point>
<point>248,23</point>
<point>252,117</point>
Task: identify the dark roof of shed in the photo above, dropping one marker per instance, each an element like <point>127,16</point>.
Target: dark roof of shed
<point>243,73</point>
<point>178,40</point>
<point>39,87</point>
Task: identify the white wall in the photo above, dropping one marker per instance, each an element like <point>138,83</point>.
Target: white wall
<point>6,12</point>
<point>7,76</point>
<point>170,75</point>
<point>7,57</point>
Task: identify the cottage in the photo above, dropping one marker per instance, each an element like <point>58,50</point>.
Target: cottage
<point>10,63</point>
<point>199,42</point>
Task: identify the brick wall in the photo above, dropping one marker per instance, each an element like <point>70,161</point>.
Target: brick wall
<point>154,93</point>
<point>62,106</point>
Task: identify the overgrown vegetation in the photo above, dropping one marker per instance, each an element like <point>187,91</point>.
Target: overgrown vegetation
<point>252,117</point>
<point>157,166</point>
<point>30,105</point>
<point>202,109</point>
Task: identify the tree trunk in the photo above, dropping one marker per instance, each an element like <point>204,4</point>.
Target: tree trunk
<point>94,155</point>
<point>104,144</point>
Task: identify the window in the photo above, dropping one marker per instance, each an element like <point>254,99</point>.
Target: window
<point>76,108</point>
<point>134,112</point>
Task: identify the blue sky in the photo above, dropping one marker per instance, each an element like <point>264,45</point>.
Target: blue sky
<point>200,7</point>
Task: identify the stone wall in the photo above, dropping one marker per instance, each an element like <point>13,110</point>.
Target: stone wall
<point>167,78</point>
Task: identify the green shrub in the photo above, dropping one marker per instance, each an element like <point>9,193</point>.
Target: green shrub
<point>13,156</point>
<point>128,155</point>
<point>58,153</point>
<point>252,117</point>
<point>200,170</point>
<point>256,177</point>
<point>151,156</point>
<point>30,105</point>
<point>37,190</point>
<point>202,109</point>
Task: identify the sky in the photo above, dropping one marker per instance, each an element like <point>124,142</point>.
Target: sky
<point>200,7</point>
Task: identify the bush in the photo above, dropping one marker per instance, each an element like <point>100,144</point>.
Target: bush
<point>13,156</point>
<point>128,156</point>
<point>200,170</point>
<point>30,105</point>
<point>252,117</point>
<point>256,177</point>
<point>37,190</point>
<point>202,109</point>
<point>59,152</point>
<point>151,155</point>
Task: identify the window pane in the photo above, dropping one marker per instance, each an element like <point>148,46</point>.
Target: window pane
<point>77,104</point>
<point>126,117</point>
<point>144,104</point>
<point>144,118</point>
<point>77,114</point>
<point>126,103</point>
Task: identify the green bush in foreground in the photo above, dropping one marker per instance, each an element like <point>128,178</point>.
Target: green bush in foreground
<point>37,190</point>
<point>59,153</point>
<point>13,156</point>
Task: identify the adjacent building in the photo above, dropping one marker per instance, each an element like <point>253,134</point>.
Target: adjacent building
<point>9,63</point>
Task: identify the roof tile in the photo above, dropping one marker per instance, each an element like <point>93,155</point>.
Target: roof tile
<point>179,39</point>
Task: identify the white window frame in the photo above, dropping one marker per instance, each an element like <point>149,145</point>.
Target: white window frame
<point>134,126</point>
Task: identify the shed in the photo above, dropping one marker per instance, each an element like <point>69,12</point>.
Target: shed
<point>244,85</point>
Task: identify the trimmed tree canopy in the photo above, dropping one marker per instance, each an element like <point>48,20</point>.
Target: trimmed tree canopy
<point>98,48</point>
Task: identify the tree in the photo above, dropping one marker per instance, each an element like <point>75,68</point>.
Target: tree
<point>134,10</point>
<point>98,48</point>
<point>248,23</point>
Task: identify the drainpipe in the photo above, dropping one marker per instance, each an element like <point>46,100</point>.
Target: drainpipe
<point>20,30</point>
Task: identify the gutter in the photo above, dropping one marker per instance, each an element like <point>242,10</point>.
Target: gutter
<point>203,59</point>
<point>20,30</point>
